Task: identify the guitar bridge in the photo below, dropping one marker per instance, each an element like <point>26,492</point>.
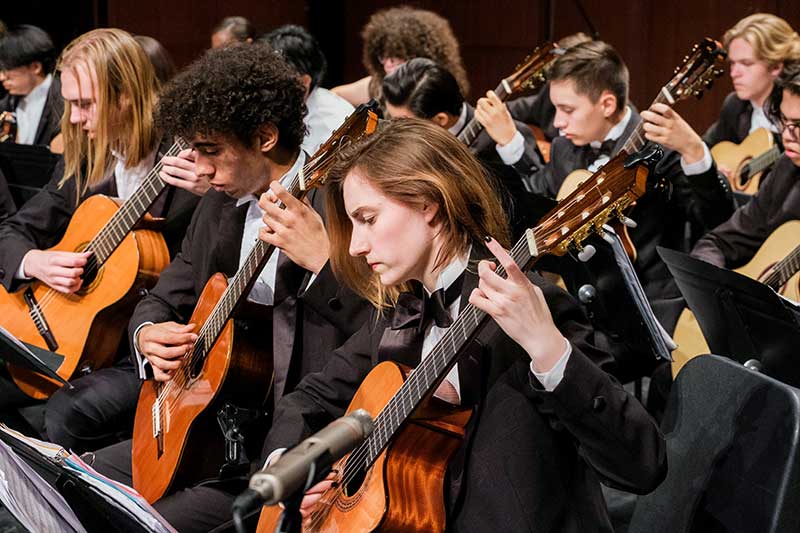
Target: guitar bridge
<point>158,432</point>
<point>38,318</point>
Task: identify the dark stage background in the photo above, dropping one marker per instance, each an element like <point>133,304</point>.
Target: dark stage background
<point>651,35</point>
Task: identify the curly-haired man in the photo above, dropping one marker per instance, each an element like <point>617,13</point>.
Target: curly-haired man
<point>241,108</point>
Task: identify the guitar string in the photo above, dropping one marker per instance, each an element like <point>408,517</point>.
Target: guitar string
<point>51,294</point>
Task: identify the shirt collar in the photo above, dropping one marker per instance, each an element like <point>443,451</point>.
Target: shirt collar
<point>285,179</point>
<point>39,93</point>
<point>456,128</point>
<point>617,131</point>
<point>452,271</point>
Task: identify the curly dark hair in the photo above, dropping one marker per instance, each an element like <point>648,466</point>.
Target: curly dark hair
<point>406,33</point>
<point>233,91</point>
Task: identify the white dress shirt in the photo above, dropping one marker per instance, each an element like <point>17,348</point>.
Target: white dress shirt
<point>29,111</point>
<point>326,112</point>
<point>759,119</point>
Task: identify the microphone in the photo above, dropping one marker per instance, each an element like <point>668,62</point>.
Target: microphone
<point>306,463</point>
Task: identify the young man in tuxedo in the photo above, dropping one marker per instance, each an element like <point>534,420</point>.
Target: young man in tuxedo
<point>758,47</point>
<point>589,88</point>
<point>241,108</point>
<point>734,242</point>
<point>27,60</point>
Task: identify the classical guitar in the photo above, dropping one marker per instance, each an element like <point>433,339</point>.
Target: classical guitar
<point>770,265</point>
<point>530,74</point>
<point>175,433</point>
<point>394,480</point>
<point>748,159</point>
<point>84,328</point>
<point>692,78</point>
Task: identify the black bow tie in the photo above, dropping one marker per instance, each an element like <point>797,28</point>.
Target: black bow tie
<point>606,148</point>
<point>416,309</point>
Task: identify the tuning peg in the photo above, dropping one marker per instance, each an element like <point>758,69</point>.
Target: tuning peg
<point>628,222</point>
<point>587,253</point>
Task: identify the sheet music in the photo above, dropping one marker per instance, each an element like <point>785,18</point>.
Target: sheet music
<point>19,343</point>
<point>120,496</point>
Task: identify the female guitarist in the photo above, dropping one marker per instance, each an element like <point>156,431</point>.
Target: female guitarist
<point>410,212</point>
<point>109,88</point>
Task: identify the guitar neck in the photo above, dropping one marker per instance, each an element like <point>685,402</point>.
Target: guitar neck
<point>784,270</point>
<point>427,375</point>
<point>120,225</point>
<point>473,127</point>
<point>763,161</point>
<point>635,140</point>
<point>241,283</point>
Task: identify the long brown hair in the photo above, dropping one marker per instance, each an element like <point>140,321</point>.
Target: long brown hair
<point>127,89</point>
<point>414,162</point>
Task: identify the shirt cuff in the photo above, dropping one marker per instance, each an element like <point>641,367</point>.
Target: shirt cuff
<point>141,361</point>
<point>553,377</point>
<point>698,167</point>
<point>512,152</point>
<point>20,274</point>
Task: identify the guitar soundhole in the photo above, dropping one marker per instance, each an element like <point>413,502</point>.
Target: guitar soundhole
<point>357,476</point>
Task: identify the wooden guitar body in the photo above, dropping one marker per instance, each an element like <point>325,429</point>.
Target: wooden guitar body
<point>87,325</point>
<point>402,491</point>
<point>191,447</point>
<point>689,337</point>
<point>735,156</point>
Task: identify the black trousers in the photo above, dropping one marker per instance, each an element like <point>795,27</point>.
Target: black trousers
<point>97,412</point>
<point>202,508</point>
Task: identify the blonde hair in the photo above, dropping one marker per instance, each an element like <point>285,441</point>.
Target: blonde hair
<point>414,162</point>
<point>127,89</point>
<point>772,38</point>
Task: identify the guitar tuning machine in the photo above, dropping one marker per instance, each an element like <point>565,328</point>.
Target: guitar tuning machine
<point>626,221</point>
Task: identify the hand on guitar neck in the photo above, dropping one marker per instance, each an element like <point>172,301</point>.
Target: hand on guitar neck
<point>297,230</point>
<point>61,271</point>
<point>179,171</point>
<point>495,118</point>
<point>164,345</point>
<point>519,308</point>
<point>663,125</point>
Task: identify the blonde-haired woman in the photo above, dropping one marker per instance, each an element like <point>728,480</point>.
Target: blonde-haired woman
<point>409,216</point>
<point>758,47</point>
<point>110,145</point>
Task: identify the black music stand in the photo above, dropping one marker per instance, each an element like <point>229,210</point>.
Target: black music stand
<point>30,357</point>
<point>27,168</point>
<point>740,317</point>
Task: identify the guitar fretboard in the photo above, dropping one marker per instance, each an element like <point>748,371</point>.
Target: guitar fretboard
<point>117,228</point>
<point>784,270</point>
<point>762,162</point>
<point>636,140</point>
<point>473,127</point>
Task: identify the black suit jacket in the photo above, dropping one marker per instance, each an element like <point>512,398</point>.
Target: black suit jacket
<point>734,121</point>
<point>701,202</point>
<point>50,121</point>
<point>531,458</point>
<point>734,242</point>
<point>320,317</point>
<point>7,205</point>
<point>536,109</point>
<point>42,221</point>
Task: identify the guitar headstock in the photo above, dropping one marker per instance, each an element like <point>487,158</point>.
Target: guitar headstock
<point>359,124</point>
<point>698,71</point>
<point>614,187</point>
<point>532,72</point>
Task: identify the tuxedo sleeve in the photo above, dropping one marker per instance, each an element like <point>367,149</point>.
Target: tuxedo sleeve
<point>39,224</point>
<point>321,397</point>
<point>734,242</point>
<point>174,296</point>
<point>335,302</point>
